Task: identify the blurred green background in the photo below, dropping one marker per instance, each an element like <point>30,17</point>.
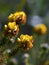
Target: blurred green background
<point>35,9</point>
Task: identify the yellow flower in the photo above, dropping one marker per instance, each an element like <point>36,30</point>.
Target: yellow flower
<point>25,38</point>
<point>11,28</point>
<point>41,29</point>
<point>11,25</point>
<point>10,18</point>
<point>26,41</point>
<point>19,17</point>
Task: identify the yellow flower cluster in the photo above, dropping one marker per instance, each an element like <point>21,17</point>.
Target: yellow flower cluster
<point>14,21</point>
<point>18,17</point>
<point>40,29</point>
<point>25,41</point>
<point>11,28</point>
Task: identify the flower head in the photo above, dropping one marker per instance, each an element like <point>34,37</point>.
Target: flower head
<point>41,29</point>
<point>11,28</point>
<point>18,17</point>
<point>25,41</point>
